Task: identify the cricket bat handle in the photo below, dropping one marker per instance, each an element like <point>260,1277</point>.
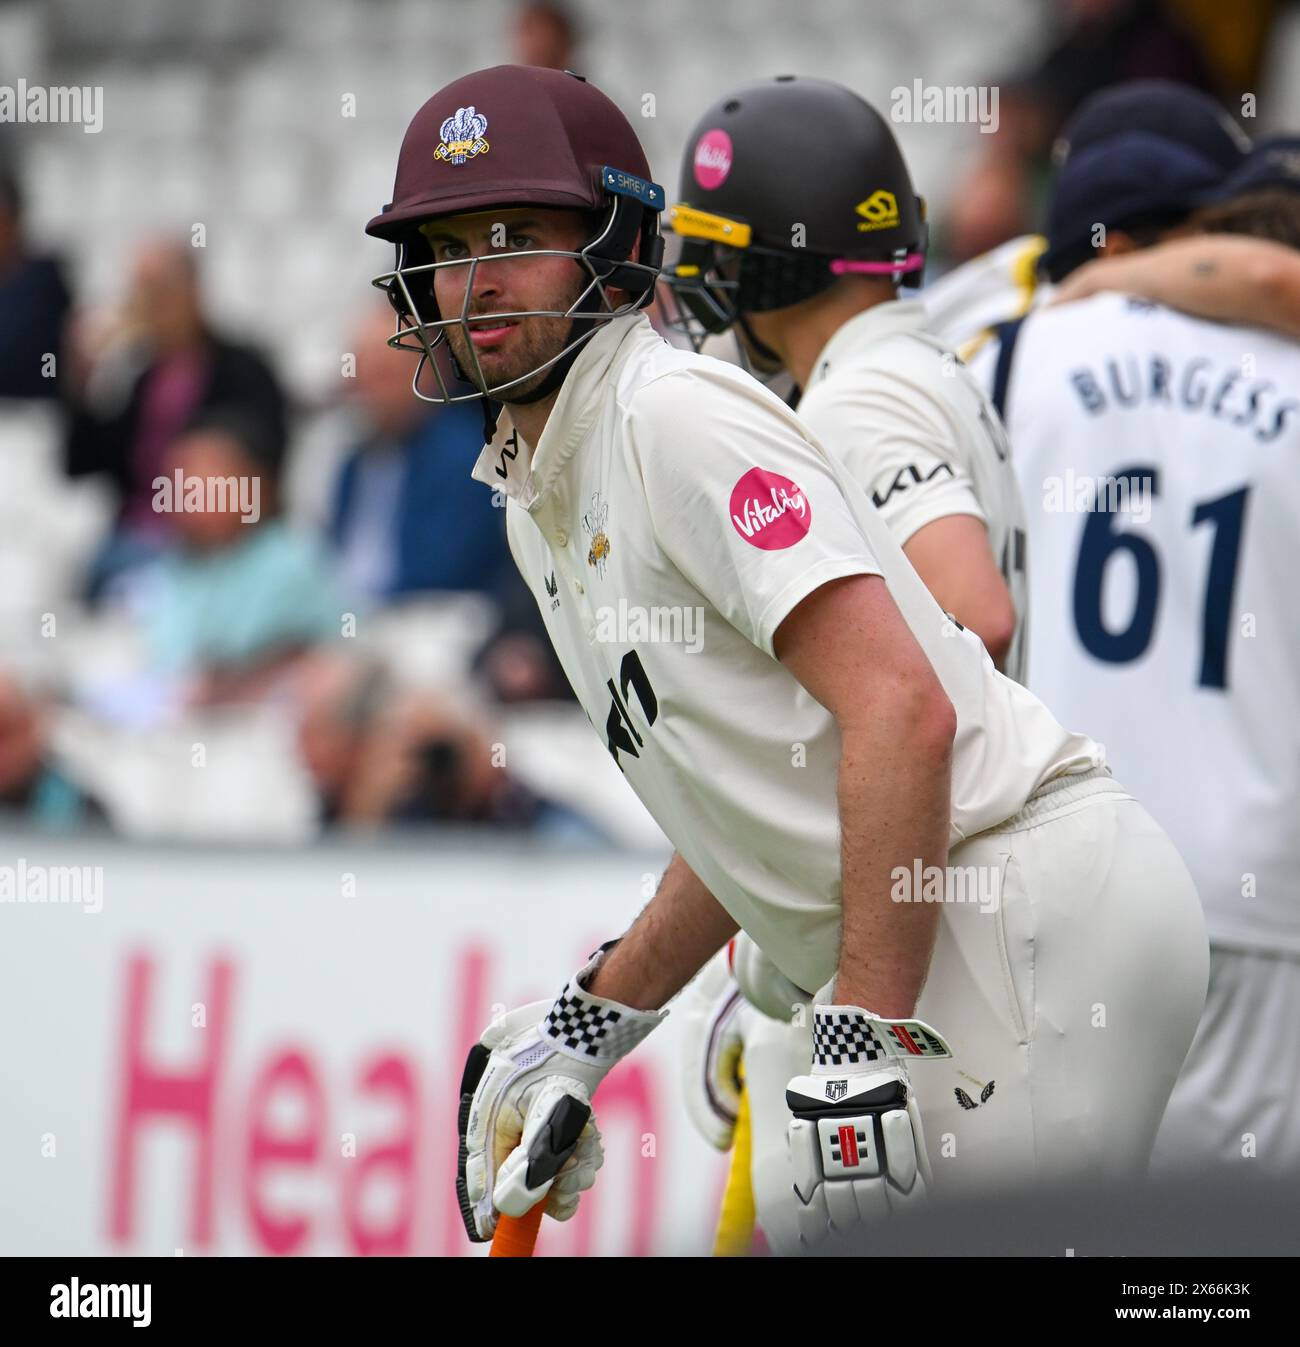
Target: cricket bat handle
<point>516,1236</point>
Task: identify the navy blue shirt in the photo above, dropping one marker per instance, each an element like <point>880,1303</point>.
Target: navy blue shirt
<point>445,531</point>
<point>33,304</point>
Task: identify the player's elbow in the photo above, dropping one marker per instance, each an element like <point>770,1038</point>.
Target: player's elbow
<point>939,724</point>
<point>928,718</point>
<point>907,705</point>
<point>1273,276</point>
<point>997,629</point>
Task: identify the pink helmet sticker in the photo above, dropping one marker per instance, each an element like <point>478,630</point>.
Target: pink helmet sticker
<point>769,511</point>
<point>712,159</point>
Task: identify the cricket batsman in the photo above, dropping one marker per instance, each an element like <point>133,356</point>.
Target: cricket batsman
<point>890,403</point>
<point>818,763</point>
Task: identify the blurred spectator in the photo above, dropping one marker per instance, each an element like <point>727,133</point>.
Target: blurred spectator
<point>1108,42</point>
<point>237,594</point>
<point>160,366</point>
<point>409,518</point>
<point>29,783</point>
<point>33,305</point>
<point>340,701</point>
<point>407,515</point>
<point>381,755</point>
<point>543,34</point>
<point>1104,42</point>
<point>518,661</point>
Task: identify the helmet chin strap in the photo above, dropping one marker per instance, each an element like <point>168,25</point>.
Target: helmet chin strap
<point>761,348</point>
<point>491,415</point>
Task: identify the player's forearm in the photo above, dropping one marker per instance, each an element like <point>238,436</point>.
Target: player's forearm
<point>895,805</point>
<point>1225,279</point>
<point>953,558</point>
<point>680,929</point>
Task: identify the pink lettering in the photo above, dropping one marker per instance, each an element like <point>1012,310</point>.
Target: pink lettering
<point>390,1075</point>
<point>149,1092</point>
<point>291,1072</point>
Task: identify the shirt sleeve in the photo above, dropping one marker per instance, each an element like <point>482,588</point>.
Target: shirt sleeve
<point>742,501</point>
<point>898,444</point>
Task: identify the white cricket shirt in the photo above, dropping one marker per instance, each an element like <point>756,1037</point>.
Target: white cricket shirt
<point>1172,629</point>
<point>897,408</point>
<point>670,517</point>
<point>964,304</point>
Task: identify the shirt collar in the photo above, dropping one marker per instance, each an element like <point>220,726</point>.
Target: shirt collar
<point>526,474</point>
<point>894,315</point>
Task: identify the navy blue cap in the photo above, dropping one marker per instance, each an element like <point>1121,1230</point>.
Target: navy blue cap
<point>1141,148</point>
<point>1174,112</point>
<point>1274,162</point>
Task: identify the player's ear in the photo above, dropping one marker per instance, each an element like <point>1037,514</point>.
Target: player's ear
<point>1117,244</point>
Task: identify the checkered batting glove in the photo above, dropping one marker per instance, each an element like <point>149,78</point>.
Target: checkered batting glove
<point>516,1074</point>
<point>856,1143</point>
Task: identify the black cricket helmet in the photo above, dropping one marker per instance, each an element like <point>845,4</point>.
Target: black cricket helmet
<point>786,185</point>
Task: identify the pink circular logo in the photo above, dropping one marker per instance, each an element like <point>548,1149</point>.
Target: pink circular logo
<point>713,159</point>
<point>769,511</point>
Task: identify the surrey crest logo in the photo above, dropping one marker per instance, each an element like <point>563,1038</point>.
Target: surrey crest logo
<point>594,523</point>
<point>462,137</point>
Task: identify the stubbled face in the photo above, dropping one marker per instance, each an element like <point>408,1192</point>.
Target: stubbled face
<point>502,284</point>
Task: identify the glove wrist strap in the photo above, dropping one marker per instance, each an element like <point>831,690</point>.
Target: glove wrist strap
<point>594,1029</point>
<point>849,1037</point>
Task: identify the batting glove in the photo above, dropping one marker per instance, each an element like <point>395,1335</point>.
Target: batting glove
<point>856,1143</point>
<point>523,1066</point>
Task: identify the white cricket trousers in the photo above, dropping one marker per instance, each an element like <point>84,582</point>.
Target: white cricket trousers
<point>1236,1107</point>
<point>1069,1003</point>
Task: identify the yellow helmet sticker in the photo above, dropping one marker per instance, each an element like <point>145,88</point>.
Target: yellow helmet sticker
<point>700,224</point>
<point>878,211</point>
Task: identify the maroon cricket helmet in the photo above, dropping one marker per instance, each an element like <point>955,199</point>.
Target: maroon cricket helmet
<point>521,136</point>
<point>511,135</point>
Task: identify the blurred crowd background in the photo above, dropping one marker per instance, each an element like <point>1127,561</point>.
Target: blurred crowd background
<point>186,289</point>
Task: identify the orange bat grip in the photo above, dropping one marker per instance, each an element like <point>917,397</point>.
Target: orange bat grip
<point>516,1235</point>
